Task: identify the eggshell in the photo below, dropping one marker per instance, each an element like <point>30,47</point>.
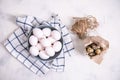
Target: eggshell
<point>33,40</point>
<point>38,32</point>
<point>52,40</point>
<point>50,51</point>
<point>56,35</point>
<point>57,46</point>
<point>34,50</point>
<point>43,37</point>
<point>45,42</point>
<point>46,31</point>
<point>43,55</point>
<point>39,46</point>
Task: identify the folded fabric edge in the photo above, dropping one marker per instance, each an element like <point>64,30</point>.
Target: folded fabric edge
<point>55,69</point>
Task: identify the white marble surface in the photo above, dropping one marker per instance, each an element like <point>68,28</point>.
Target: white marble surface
<point>78,67</point>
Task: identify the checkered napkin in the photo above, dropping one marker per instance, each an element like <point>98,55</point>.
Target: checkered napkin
<point>17,45</point>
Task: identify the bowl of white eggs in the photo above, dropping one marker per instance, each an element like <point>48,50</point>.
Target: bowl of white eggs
<point>45,42</point>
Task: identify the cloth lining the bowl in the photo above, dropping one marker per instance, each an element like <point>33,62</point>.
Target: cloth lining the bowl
<point>17,45</point>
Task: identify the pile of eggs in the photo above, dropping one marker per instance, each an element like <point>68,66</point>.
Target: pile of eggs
<point>45,42</point>
<point>94,49</point>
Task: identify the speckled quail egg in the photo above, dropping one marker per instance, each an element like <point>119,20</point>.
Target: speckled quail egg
<point>98,51</point>
<point>89,49</point>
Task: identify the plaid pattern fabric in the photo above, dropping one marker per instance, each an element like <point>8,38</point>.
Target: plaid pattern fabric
<point>16,44</point>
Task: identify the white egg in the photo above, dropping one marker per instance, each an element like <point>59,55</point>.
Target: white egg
<point>34,51</point>
<point>46,31</point>
<point>52,40</point>
<point>38,32</point>
<point>44,37</point>
<point>43,55</point>
<point>57,46</point>
<point>50,51</point>
<point>56,35</point>
<point>39,46</point>
<point>33,40</point>
<point>45,42</point>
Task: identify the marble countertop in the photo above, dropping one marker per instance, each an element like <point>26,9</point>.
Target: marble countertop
<point>78,67</point>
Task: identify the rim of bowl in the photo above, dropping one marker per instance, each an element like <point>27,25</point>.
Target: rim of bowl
<point>56,53</point>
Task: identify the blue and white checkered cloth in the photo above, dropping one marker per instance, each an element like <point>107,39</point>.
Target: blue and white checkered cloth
<point>17,45</point>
